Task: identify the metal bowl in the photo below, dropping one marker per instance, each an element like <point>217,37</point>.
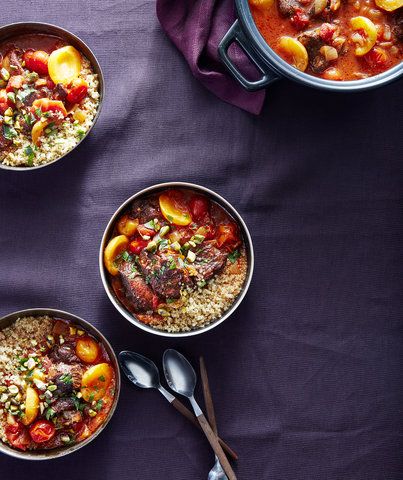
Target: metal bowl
<point>61,451</point>
<point>15,29</point>
<point>272,67</point>
<point>213,196</point>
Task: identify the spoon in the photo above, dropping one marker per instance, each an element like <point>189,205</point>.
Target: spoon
<point>144,373</point>
<point>181,378</point>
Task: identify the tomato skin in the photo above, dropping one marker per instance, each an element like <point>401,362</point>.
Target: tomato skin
<point>136,246</point>
<point>144,231</point>
<point>326,32</point>
<point>199,207</point>
<point>299,19</point>
<point>17,435</point>
<point>227,235</point>
<point>42,431</point>
<point>15,82</point>
<point>78,91</point>
<point>377,58</point>
<point>36,61</point>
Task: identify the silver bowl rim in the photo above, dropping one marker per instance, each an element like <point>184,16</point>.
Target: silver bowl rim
<point>63,451</point>
<point>221,201</point>
<point>94,62</point>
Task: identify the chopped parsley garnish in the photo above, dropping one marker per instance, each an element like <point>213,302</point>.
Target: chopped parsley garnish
<point>101,378</point>
<point>80,133</point>
<point>9,132</point>
<point>29,119</point>
<point>50,413</point>
<point>30,154</point>
<point>150,225</point>
<point>66,378</point>
<point>22,95</point>
<point>126,256</point>
<point>38,112</point>
<point>233,256</point>
<point>99,405</point>
<point>170,218</point>
<point>170,300</point>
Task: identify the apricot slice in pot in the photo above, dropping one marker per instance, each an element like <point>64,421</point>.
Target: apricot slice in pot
<point>31,406</point>
<point>64,65</point>
<point>127,226</point>
<point>389,5</point>
<point>47,105</point>
<point>174,210</point>
<point>294,52</point>
<point>87,349</point>
<point>364,42</point>
<point>114,248</point>
<point>95,381</point>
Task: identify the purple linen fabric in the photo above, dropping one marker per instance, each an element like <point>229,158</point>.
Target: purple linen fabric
<point>196,27</point>
<point>307,375</point>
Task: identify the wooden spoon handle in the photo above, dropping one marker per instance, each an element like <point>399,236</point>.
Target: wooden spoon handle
<point>191,417</point>
<point>215,445</point>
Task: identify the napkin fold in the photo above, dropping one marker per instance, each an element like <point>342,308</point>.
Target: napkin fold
<point>196,27</point>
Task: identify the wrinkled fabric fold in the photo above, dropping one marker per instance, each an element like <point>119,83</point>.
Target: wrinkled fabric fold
<point>196,28</point>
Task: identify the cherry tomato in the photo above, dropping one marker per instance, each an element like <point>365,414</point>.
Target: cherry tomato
<point>199,207</point>
<point>77,91</point>
<point>42,431</point>
<point>15,82</point>
<point>36,61</point>
<point>17,435</point>
<point>3,101</point>
<point>136,246</point>
<point>227,235</point>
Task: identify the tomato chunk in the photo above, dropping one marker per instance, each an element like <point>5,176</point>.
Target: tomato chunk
<point>14,83</point>
<point>17,434</point>
<point>199,207</point>
<point>227,235</point>
<point>36,61</point>
<point>300,20</point>
<point>47,105</point>
<point>136,246</point>
<point>78,91</point>
<point>42,431</point>
<point>377,58</point>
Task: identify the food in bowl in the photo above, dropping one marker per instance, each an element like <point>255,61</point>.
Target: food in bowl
<point>57,384</point>
<point>176,260</point>
<point>333,39</point>
<point>49,97</point>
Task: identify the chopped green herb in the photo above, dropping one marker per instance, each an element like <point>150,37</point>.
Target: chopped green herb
<point>99,405</point>
<point>66,378</point>
<point>80,133</point>
<point>233,256</point>
<point>22,95</point>
<point>170,300</point>
<point>30,154</point>
<point>50,413</point>
<point>170,218</point>
<point>150,225</point>
<point>101,378</point>
<point>9,132</point>
<point>126,256</point>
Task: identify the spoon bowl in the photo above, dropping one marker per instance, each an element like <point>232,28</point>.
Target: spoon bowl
<point>179,373</point>
<point>139,370</point>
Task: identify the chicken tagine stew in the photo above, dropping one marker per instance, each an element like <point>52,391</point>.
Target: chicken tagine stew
<point>333,39</point>
<point>176,260</point>
<point>57,384</point>
<point>48,99</point>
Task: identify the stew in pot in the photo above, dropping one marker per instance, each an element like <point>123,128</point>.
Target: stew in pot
<point>333,39</point>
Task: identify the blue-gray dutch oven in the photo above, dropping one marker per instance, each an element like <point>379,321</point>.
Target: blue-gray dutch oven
<point>272,67</point>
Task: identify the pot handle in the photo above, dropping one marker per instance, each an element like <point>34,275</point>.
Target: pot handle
<point>235,34</point>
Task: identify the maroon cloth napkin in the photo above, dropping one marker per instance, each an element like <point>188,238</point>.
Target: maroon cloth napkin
<point>196,27</point>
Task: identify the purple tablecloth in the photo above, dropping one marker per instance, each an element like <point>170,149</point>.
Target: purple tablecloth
<point>307,374</point>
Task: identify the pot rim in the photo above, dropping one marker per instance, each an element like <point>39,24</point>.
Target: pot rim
<point>40,27</point>
<point>273,61</point>
<point>223,203</point>
<point>56,313</point>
